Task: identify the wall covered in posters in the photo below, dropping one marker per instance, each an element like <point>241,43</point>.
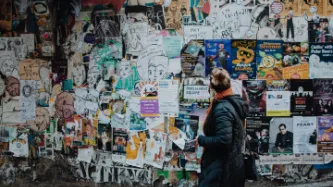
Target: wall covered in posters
<point>117,91</point>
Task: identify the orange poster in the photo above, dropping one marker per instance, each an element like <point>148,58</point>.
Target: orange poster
<point>300,71</point>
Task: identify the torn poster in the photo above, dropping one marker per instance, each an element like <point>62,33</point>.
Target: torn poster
<point>137,122</point>
<point>86,154</point>
<point>168,98</point>
<point>305,133</point>
<point>136,35</point>
<point>155,151</point>
<point>89,129</point>
<point>41,121</point>
<point>120,138</point>
<point>18,143</point>
<point>135,149</point>
<point>27,100</point>
<point>104,137</point>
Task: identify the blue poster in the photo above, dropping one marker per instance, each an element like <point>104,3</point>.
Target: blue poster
<point>243,65</point>
<point>217,55</point>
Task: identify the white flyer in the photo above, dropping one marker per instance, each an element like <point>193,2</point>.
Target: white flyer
<point>168,98</point>
<point>278,103</point>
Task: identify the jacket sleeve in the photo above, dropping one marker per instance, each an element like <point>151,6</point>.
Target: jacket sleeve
<point>224,122</point>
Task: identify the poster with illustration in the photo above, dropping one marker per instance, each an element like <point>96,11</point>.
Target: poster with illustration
<point>27,100</point>
<point>278,103</point>
<point>195,90</point>
<point>301,97</point>
<point>281,135</point>
<point>254,92</point>
<point>18,142</point>
<point>269,59</point>
<point>37,145</point>
<point>155,15</point>
<point>243,59</point>
<point>217,55</point>
<point>104,137</point>
<point>325,135</point>
<point>135,148</point>
<point>193,59</point>
<point>257,133</point>
<point>120,138</point>
<point>320,61</point>
<point>188,126</point>
<point>89,129</point>
<point>137,122</point>
<point>305,134</point>
<point>136,33</point>
<point>295,53</point>
<point>146,88</point>
<point>322,97</point>
<point>300,71</point>
<point>127,75</point>
<point>174,13</point>
<point>152,63</point>
<point>155,151</point>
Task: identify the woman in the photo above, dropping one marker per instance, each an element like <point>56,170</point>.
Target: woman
<point>319,109</point>
<point>222,161</point>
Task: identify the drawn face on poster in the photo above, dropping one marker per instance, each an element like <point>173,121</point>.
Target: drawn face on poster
<point>152,63</point>
<point>232,21</point>
<point>93,77</point>
<point>13,86</point>
<point>8,65</point>
<point>79,75</point>
<point>42,120</point>
<point>124,69</point>
<point>64,105</point>
<point>301,29</point>
<point>146,88</point>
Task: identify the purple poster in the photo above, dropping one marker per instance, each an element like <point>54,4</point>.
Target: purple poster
<point>149,107</point>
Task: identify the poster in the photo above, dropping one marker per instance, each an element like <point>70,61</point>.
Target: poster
<point>155,151</point>
<point>295,53</point>
<point>218,54</point>
<point>120,138</point>
<point>305,133</point>
<point>300,71</point>
<point>149,107</point>
<point>325,135</point>
<point>318,31</point>
<point>89,129</point>
<point>278,103</point>
<point>278,85</point>
<point>187,129</point>
<point>172,46</point>
<point>322,97</point>
<point>254,92</point>
<point>281,135</point>
<point>168,98</point>
<point>193,59</point>
<point>301,97</point>
<point>243,59</point>
<point>257,133</point>
<point>135,148</point>
<point>197,32</point>
<point>27,100</point>
<point>320,61</point>
<point>104,137</point>
<point>236,86</point>
<point>18,143</point>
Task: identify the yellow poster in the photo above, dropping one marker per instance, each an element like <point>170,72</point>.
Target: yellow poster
<point>300,71</point>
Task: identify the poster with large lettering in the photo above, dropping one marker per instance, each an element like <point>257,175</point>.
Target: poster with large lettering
<point>195,90</point>
<point>305,132</point>
<point>243,59</point>
<point>325,134</point>
<point>322,97</point>
<point>320,61</point>
<point>301,97</point>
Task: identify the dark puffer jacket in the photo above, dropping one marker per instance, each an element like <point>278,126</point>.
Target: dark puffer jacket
<point>222,162</point>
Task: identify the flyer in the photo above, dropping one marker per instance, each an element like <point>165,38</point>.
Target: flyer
<point>193,59</point>
<point>149,107</point>
<point>168,99</point>
<point>322,97</point>
<point>255,94</point>
<point>281,135</point>
<point>172,45</point>
<point>155,151</point>
<point>119,143</point>
<point>278,103</point>
<point>295,53</point>
<point>218,54</point>
<point>305,132</point>
<point>257,133</point>
<point>301,97</point>
<point>135,148</point>
<point>300,71</point>
<point>325,134</point>
<point>320,61</point>
<point>243,59</point>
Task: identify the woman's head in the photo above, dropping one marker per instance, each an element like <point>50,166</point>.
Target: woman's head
<point>219,80</point>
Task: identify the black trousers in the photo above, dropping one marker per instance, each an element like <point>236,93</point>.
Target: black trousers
<point>290,28</point>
